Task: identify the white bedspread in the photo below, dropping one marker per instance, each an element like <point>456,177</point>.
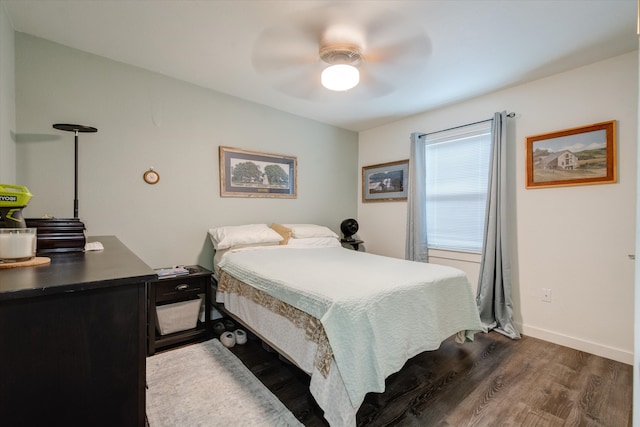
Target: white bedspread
<point>377,311</point>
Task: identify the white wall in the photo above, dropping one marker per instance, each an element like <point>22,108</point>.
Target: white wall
<point>7,101</point>
<point>145,119</point>
<point>636,356</point>
<point>588,269</point>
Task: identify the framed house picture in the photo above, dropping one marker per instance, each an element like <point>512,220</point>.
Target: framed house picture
<point>385,182</point>
<point>578,156</point>
<point>245,173</point>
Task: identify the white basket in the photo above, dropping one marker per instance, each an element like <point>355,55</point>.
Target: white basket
<point>178,316</point>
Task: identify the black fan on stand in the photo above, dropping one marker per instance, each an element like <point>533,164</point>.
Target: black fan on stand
<point>349,227</point>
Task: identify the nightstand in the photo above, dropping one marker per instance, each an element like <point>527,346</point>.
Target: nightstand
<point>174,290</point>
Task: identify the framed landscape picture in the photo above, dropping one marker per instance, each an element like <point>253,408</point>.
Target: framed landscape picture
<point>385,182</point>
<point>578,156</point>
<point>245,173</point>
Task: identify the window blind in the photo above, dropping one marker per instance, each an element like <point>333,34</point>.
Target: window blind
<point>457,173</point>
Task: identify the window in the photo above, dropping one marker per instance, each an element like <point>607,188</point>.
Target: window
<point>457,174</point>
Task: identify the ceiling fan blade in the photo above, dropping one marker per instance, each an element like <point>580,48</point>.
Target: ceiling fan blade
<point>296,39</point>
<point>299,83</point>
<point>382,23</point>
<point>266,63</point>
<point>373,86</point>
<point>276,50</point>
<point>415,50</point>
<point>291,42</point>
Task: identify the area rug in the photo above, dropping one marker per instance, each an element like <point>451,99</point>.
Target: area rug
<point>206,385</point>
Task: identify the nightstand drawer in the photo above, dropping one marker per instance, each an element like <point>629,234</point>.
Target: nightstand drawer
<point>175,289</point>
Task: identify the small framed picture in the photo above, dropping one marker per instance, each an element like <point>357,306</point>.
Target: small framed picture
<point>577,156</point>
<point>245,173</point>
<point>385,182</point>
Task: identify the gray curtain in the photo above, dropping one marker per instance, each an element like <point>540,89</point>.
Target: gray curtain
<point>416,242</point>
<point>494,286</point>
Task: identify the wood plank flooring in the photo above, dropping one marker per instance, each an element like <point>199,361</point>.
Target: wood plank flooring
<point>494,381</point>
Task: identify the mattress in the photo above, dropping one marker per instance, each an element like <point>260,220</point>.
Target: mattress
<point>372,312</point>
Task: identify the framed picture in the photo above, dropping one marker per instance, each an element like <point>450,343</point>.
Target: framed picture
<point>386,182</point>
<point>246,173</point>
<point>578,156</point>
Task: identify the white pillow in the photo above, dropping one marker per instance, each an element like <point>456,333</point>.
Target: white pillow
<point>301,231</point>
<point>315,242</point>
<point>235,235</point>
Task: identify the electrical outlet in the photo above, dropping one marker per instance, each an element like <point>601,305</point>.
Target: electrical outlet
<point>546,295</point>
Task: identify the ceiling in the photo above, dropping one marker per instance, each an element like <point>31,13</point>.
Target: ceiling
<point>460,48</point>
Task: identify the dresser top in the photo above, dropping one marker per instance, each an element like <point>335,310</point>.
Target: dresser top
<point>116,265</point>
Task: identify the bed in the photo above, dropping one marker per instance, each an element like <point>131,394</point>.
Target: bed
<point>348,319</point>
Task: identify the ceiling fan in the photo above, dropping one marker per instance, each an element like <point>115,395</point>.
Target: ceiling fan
<point>378,49</point>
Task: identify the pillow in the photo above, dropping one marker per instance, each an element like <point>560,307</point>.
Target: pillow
<point>285,232</point>
<point>301,231</point>
<point>235,235</point>
<point>315,242</point>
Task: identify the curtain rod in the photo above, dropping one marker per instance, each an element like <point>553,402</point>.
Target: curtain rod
<point>512,114</point>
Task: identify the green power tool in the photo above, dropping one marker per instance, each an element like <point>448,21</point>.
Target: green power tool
<point>13,198</point>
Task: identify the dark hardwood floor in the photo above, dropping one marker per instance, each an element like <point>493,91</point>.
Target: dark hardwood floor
<point>493,381</point>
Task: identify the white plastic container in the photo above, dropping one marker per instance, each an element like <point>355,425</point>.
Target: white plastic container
<point>178,316</point>
<point>17,244</point>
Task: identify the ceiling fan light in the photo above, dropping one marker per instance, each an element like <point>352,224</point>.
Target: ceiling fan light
<point>340,77</point>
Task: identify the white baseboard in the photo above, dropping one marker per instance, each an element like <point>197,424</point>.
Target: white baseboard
<point>578,344</point>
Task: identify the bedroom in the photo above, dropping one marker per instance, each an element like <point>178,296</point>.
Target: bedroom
<point>148,120</point>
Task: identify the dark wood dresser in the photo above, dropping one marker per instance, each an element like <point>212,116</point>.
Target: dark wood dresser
<point>73,339</point>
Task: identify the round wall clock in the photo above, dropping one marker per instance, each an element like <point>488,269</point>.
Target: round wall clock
<point>151,177</point>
